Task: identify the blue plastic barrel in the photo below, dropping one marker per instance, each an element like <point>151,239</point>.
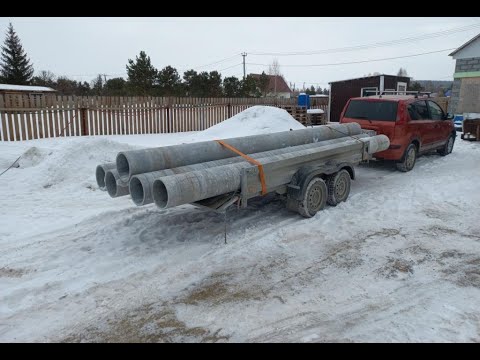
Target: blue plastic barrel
<point>304,100</point>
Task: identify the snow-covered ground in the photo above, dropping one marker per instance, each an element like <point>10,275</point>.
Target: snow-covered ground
<point>399,261</point>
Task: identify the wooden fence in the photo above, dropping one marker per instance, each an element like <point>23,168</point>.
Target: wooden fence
<point>25,117</point>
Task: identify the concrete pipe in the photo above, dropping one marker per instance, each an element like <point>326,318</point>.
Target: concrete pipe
<point>175,190</point>
<point>115,186</point>
<point>134,162</point>
<point>141,185</point>
<point>100,173</point>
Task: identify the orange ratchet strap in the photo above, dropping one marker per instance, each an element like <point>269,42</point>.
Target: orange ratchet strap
<point>251,161</point>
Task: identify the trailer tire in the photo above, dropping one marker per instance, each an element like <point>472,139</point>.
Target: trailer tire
<point>338,185</point>
<point>314,199</point>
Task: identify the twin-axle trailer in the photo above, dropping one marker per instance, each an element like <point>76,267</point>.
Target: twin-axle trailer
<point>312,167</point>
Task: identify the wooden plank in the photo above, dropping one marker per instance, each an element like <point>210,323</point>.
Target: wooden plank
<point>142,115</point>
<point>96,117</point>
<point>78,117</point>
<point>52,106</point>
<point>3,119</point>
<point>62,116</point>
<point>30,120</point>
<point>91,112</point>
<point>20,117</point>
<point>102,117</point>
<point>118,115</point>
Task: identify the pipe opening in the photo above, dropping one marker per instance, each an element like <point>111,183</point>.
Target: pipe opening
<point>100,175</point>
<point>160,194</point>
<point>122,166</point>
<point>111,184</point>
<point>136,191</point>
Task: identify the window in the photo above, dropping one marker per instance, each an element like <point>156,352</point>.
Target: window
<point>372,110</point>
<point>418,111</point>
<point>435,111</point>
<point>401,88</point>
<point>368,91</point>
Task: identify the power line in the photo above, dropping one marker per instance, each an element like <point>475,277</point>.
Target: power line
<point>373,45</point>
<point>216,62</point>
<point>358,62</point>
<point>229,67</point>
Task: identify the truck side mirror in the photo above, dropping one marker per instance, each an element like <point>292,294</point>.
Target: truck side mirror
<point>449,116</point>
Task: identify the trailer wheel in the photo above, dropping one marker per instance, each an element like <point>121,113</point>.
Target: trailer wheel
<point>338,185</point>
<point>315,198</point>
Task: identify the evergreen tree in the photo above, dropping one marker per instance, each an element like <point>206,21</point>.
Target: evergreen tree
<point>250,87</point>
<point>97,85</point>
<point>310,91</point>
<point>263,83</point>
<point>232,87</point>
<point>214,84</point>
<point>15,67</point>
<point>115,87</point>
<point>190,82</point>
<point>142,75</point>
<point>168,81</point>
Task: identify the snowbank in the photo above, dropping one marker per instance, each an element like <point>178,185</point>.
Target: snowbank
<point>252,121</point>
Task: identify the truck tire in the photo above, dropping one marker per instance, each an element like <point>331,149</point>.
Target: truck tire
<point>315,198</point>
<point>409,159</point>
<point>338,186</point>
<point>448,147</point>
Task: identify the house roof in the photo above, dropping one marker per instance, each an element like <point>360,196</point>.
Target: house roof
<point>464,45</point>
<point>366,77</point>
<point>281,83</point>
<point>9,87</point>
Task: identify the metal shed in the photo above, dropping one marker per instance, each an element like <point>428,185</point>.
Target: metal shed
<point>341,91</point>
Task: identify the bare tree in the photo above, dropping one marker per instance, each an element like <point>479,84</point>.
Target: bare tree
<point>274,70</point>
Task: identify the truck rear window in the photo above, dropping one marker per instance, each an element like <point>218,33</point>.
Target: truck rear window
<point>372,110</point>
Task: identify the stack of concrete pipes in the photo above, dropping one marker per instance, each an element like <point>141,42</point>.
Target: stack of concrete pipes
<point>182,174</point>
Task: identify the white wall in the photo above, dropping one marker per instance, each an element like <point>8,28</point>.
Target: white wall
<point>470,51</point>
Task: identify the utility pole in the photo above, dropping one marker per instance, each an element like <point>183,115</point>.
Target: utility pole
<point>244,54</point>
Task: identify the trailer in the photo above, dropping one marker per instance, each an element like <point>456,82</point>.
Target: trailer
<point>310,167</point>
<point>309,188</point>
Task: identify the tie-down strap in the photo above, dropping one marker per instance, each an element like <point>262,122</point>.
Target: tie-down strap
<point>261,173</point>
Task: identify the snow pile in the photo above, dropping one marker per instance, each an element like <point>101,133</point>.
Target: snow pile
<point>252,121</point>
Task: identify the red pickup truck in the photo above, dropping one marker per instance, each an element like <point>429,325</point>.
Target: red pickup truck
<point>414,125</point>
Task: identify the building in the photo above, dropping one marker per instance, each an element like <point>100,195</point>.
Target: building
<point>466,79</point>
<point>342,91</point>
<point>25,89</point>
<point>277,86</point>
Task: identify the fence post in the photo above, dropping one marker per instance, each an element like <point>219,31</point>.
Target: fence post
<point>83,120</point>
<point>229,110</point>
<point>168,115</point>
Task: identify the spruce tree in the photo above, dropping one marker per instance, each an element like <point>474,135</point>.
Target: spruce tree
<point>142,75</point>
<point>15,67</point>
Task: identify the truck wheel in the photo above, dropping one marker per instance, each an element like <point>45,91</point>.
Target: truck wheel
<point>448,147</point>
<point>315,198</point>
<point>409,159</point>
<point>338,185</point>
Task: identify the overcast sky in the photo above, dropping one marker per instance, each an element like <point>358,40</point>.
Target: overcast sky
<point>83,47</point>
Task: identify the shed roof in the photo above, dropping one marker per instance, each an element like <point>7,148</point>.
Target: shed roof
<point>366,77</point>
<point>10,87</point>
